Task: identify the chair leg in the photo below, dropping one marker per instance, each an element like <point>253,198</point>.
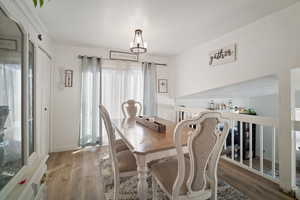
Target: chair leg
<point>154,189</point>
<point>116,187</point>
<point>102,185</point>
<point>214,189</point>
<point>116,191</point>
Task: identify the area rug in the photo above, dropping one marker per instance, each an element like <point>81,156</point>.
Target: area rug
<point>128,186</point>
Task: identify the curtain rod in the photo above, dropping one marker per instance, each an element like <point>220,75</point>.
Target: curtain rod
<point>159,64</point>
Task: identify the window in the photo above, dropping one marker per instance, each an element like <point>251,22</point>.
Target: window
<point>121,81</point>
<point>115,82</point>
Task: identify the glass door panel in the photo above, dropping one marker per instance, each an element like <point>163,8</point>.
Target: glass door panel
<point>30,101</point>
<point>11,159</point>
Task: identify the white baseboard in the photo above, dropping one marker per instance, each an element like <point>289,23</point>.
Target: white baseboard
<point>64,148</point>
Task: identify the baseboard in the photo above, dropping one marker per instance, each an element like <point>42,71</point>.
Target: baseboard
<point>64,148</point>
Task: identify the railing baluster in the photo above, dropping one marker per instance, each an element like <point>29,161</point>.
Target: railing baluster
<point>273,152</point>
<point>250,145</point>
<point>252,122</point>
<point>261,148</point>
<point>225,143</point>
<point>232,139</point>
<point>241,142</point>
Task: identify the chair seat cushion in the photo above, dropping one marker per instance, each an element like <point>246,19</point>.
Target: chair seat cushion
<point>166,172</point>
<point>126,161</point>
<point>120,145</point>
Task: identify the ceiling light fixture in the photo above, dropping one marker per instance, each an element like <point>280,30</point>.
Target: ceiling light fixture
<point>138,46</point>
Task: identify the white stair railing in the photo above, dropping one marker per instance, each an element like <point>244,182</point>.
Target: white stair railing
<point>296,125</point>
<point>236,154</point>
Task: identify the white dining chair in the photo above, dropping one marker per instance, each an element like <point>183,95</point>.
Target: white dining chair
<point>192,175</point>
<point>131,108</point>
<point>123,162</point>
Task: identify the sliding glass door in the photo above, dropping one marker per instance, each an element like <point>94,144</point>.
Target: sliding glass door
<point>110,83</point>
<point>121,81</point>
<point>30,100</point>
<point>11,69</point>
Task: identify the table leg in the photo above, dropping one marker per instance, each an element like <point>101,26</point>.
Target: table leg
<point>142,176</point>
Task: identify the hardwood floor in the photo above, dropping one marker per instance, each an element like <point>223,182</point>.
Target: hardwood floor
<point>253,185</point>
<point>75,175</point>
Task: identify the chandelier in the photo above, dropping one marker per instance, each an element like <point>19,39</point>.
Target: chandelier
<point>138,46</point>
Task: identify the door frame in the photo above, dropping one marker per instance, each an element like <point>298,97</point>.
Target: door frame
<point>51,86</point>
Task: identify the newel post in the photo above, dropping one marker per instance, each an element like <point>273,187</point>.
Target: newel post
<point>286,147</point>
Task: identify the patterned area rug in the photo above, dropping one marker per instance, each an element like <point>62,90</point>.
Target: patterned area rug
<point>128,186</point>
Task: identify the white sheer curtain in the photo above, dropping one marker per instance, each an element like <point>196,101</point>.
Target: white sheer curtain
<point>10,115</point>
<point>90,125</point>
<point>150,86</point>
<point>10,96</point>
<point>120,81</point>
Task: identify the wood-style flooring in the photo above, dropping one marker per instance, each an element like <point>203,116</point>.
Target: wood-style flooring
<point>253,185</point>
<point>75,175</point>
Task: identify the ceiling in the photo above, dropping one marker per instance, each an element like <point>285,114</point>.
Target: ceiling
<point>170,26</point>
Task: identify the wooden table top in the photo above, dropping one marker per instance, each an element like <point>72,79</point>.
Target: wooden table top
<point>142,140</point>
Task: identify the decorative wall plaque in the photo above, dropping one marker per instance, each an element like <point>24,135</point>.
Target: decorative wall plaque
<point>68,78</point>
<point>162,86</point>
<point>120,55</point>
<point>223,55</point>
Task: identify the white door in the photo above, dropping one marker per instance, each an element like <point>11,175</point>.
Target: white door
<point>44,85</point>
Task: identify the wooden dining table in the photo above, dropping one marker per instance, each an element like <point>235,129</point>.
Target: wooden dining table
<point>147,145</point>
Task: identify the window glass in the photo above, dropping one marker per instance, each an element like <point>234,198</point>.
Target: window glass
<point>11,159</point>
<point>31,99</point>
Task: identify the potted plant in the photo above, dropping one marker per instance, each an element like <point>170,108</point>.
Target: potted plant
<point>38,2</point>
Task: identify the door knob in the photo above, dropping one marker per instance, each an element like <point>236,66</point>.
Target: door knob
<point>45,109</point>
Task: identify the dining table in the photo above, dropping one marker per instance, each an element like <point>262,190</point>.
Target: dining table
<point>148,145</point>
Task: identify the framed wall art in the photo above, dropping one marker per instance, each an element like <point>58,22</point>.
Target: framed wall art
<point>68,78</point>
<point>162,86</point>
<point>223,55</point>
<point>125,56</point>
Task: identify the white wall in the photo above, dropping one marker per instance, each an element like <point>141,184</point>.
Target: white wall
<point>165,101</point>
<point>264,47</point>
<point>66,101</point>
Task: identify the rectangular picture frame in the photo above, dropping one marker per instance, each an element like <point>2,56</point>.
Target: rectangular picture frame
<point>162,85</point>
<point>68,78</point>
<point>224,55</point>
<point>122,55</point>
